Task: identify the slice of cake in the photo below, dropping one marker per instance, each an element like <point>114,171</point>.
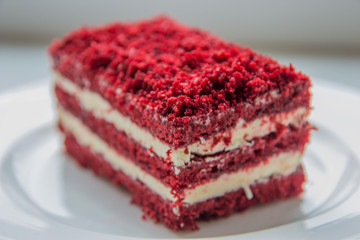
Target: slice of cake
<point>193,126</point>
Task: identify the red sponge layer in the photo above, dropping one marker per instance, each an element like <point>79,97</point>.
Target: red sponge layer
<point>161,210</point>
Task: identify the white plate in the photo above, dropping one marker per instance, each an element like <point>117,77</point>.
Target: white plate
<point>44,195</point>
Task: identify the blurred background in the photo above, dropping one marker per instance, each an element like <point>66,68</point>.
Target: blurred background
<point>321,38</point>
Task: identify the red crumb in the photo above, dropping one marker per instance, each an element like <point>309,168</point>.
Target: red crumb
<point>176,76</point>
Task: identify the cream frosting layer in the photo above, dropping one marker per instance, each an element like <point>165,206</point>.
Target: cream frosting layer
<point>238,136</point>
<point>281,164</point>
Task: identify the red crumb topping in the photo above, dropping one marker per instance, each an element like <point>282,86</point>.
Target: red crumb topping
<point>175,73</point>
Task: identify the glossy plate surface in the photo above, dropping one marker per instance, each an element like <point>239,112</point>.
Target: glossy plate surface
<point>44,194</point>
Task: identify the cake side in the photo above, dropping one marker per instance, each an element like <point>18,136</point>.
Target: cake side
<point>199,167</point>
<point>282,163</point>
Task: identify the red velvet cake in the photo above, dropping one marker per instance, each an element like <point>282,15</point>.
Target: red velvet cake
<point>193,126</point>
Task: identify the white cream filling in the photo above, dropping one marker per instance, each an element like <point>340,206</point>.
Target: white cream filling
<point>282,164</point>
<point>85,137</point>
<point>240,135</point>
